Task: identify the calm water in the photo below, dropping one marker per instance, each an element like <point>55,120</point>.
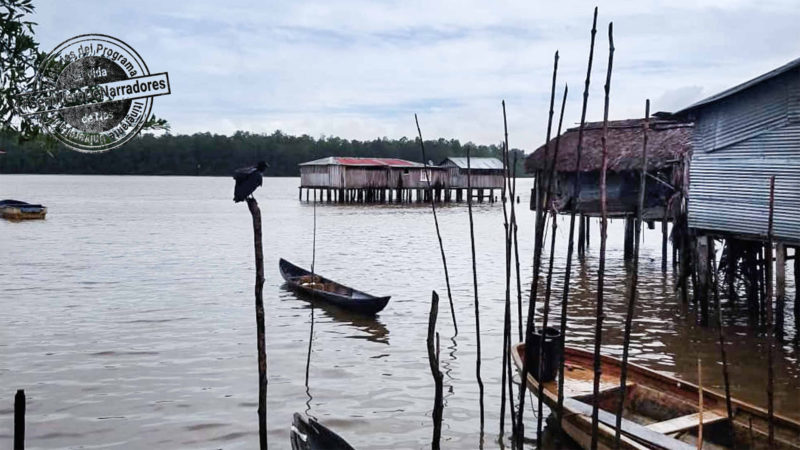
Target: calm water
<point>127,316</point>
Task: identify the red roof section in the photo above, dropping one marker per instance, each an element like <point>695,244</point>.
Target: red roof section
<point>373,162</point>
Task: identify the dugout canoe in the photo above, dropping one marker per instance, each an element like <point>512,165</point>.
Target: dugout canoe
<point>661,412</point>
<point>345,297</point>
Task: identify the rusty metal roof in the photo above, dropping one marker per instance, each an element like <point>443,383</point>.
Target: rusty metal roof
<point>475,163</point>
<point>355,161</point>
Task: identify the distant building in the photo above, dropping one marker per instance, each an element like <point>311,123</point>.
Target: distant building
<point>487,173</point>
<point>378,180</point>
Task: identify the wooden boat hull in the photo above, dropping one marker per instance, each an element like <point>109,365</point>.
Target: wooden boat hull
<point>330,291</point>
<point>17,210</point>
<point>312,435</point>
<point>661,412</point>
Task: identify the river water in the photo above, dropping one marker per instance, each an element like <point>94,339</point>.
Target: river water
<point>127,316</point>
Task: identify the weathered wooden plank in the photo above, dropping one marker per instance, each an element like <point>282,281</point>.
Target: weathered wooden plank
<point>686,422</point>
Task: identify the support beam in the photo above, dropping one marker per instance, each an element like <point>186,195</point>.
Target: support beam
<point>704,247</point>
<point>780,288</point>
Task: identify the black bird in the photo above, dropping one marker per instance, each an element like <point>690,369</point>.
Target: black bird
<point>247,180</point>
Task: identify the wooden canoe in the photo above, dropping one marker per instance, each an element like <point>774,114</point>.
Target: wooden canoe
<point>661,412</point>
<point>330,291</point>
<point>17,210</point>
<point>312,435</point>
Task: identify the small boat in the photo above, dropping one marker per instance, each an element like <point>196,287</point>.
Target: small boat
<point>17,210</point>
<point>312,435</point>
<point>661,412</point>
<point>330,291</point>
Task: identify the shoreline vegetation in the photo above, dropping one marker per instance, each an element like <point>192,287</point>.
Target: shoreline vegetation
<point>206,154</point>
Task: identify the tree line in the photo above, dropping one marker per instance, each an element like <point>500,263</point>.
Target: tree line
<point>209,154</point>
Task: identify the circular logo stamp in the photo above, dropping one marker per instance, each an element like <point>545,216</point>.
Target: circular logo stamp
<point>93,93</point>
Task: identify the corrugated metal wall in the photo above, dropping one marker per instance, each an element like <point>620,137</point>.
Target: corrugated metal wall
<point>729,187</point>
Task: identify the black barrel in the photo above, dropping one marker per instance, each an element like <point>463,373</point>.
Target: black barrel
<point>550,358</point>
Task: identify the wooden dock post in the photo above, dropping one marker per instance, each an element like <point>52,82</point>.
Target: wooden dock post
<point>581,236</point>
<point>780,288</point>
<point>19,420</point>
<point>797,290</point>
<point>252,204</point>
<point>664,239</point>
<point>433,361</point>
<point>628,251</point>
<point>703,277</point>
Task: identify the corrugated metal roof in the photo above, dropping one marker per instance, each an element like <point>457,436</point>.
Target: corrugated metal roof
<point>736,89</point>
<point>475,163</point>
<point>355,161</point>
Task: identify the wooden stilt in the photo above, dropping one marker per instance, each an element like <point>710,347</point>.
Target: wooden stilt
<point>797,291</point>
<point>628,251</point>
<point>19,420</point>
<point>588,229</point>
<point>703,277</point>
<point>581,236</point>
<point>780,288</point>
<point>664,240</point>
<point>770,343</point>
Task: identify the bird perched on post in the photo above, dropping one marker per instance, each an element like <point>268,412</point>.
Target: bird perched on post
<point>247,180</point>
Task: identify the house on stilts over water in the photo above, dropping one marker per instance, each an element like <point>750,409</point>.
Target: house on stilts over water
<point>743,137</point>
<point>668,149</point>
<point>391,180</point>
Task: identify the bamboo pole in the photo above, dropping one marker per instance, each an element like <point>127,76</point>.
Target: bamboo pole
<point>255,211</point>
<point>436,223</point>
<point>433,361</point>
<point>516,251</point>
<point>570,245</point>
<point>548,288</point>
<point>537,261</point>
<point>723,355</point>
<point>19,420</point>
<point>768,275</point>
<point>475,288</point>
<point>506,359</point>
<point>598,331</point>
<point>700,404</point>
<point>634,278</point>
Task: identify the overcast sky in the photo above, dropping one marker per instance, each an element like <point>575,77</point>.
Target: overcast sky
<point>361,69</point>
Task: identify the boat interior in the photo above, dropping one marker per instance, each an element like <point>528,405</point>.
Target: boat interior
<point>320,284</point>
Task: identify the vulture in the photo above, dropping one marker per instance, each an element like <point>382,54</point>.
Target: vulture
<point>247,180</point>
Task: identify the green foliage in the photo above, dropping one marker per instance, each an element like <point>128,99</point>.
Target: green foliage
<point>213,154</point>
<point>19,56</point>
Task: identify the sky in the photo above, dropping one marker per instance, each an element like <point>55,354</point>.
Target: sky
<point>362,69</point>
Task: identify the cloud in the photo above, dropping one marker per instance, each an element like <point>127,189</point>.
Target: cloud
<point>361,69</point>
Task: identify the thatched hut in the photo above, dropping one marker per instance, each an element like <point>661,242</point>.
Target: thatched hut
<point>668,143</point>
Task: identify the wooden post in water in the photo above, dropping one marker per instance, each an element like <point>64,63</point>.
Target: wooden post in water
<point>664,239</point>
<point>19,420</point>
<point>475,289</point>
<point>723,355</point>
<point>700,404</point>
<point>780,288</point>
<point>537,262</point>
<point>797,292</point>
<point>433,361</point>
<point>576,190</point>
<point>548,287</point>
<point>252,204</point>
<point>702,278</point>
<point>628,248</point>
<point>634,277</point>
<point>598,330</point>
<point>436,222</point>
<point>768,275</point>
<point>581,236</point>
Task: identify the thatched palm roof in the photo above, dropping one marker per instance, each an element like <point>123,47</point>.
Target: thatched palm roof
<point>667,140</point>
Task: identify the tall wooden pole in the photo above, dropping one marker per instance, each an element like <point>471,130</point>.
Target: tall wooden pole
<point>436,223</point>
<point>516,250</point>
<point>768,275</point>
<point>548,288</point>
<point>723,354</point>
<point>506,359</point>
<point>634,278</point>
<point>19,420</point>
<point>252,204</point>
<point>537,262</point>
<point>433,361</point>
<point>570,244</point>
<point>475,288</point>
<point>598,330</point>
